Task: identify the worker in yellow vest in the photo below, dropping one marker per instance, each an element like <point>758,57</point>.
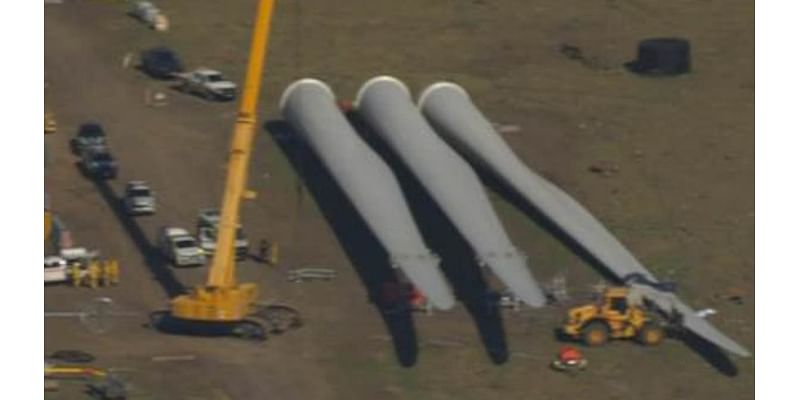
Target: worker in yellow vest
<point>75,273</point>
<point>93,274</point>
<point>110,272</point>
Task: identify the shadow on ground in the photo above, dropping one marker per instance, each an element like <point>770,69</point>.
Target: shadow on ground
<point>458,261</point>
<point>708,351</point>
<point>363,249</point>
<point>152,258</point>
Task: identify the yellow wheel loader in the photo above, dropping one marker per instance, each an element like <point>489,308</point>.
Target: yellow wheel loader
<point>613,316</point>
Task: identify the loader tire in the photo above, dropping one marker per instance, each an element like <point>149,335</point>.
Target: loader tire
<point>595,333</point>
<point>650,334</point>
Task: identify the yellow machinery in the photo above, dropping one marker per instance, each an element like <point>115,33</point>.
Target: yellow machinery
<point>49,123</point>
<point>613,316</point>
<point>223,300</point>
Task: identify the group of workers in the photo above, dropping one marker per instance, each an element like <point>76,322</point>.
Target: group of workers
<point>96,273</point>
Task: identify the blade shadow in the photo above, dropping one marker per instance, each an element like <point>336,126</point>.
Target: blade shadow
<point>365,252</point>
<point>458,261</point>
<point>711,353</point>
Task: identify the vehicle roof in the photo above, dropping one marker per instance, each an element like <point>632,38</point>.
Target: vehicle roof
<point>209,212</point>
<point>138,185</point>
<point>207,71</point>
<point>159,49</point>
<point>175,231</point>
<point>90,127</point>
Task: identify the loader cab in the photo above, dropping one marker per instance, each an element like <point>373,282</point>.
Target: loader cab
<point>615,303</point>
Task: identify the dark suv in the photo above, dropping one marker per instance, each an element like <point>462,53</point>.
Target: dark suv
<point>90,134</point>
<point>161,62</point>
<point>97,162</point>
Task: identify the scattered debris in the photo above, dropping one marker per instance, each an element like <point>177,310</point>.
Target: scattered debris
<point>110,388</point>
<point>575,53</point>
<point>603,170</point>
<point>127,60</point>
<point>732,295</point>
<point>507,299</point>
<point>71,356</point>
<point>705,312</point>
<point>738,300</point>
<point>185,357</point>
<point>556,290</point>
<point>571,52</point>
<point>300,275</point>
<point>50,385</point>
<point>506,128</point>
<point>155,98</point>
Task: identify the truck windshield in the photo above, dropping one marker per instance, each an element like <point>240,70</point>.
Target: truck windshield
<point>91,131</point>
<point>185,243</point>
<point>103,157</point>
<point>214,78</point>
<point>212,234</point>
<point>139,192</point>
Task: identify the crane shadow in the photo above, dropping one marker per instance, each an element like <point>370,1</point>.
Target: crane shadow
<point>365,252</point>
<point>152,258</point>
<point>711,353</point>
<point>458,261</point>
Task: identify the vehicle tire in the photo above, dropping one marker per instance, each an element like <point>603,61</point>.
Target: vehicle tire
<point>595,333</point>
<point>650,334</point>
<point>249,330</point>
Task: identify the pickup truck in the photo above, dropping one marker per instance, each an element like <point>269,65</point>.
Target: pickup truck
<point>180,247</point>
<point>139,198</point>
<point>148,13</point>
<point>207,83</point>
<point>207,221</point>
<point>55,269</point>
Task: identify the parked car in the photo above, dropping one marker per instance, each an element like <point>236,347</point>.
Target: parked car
<point>148,13</point>
<point>90,134</point>
<point>98,163</point>
<point>161,62</point>
<point>55,269</point>
<point>207,83</point>
<point>207,222</point>
<point>139,198</point>
<point>180,247</point>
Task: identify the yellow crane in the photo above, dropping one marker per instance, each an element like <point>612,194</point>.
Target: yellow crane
<point>223,300</point>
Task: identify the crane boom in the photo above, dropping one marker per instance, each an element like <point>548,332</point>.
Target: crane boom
<point>223,266</point>
<point>222,299</point>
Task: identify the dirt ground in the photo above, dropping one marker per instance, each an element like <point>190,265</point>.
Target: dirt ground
<point>678,192</point>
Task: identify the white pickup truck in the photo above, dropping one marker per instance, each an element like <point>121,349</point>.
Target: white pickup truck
<point>180,247</point>
<point>207,83</point>
<point>207,222</point>
<point>148,13</point>
<point>55,269</point>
